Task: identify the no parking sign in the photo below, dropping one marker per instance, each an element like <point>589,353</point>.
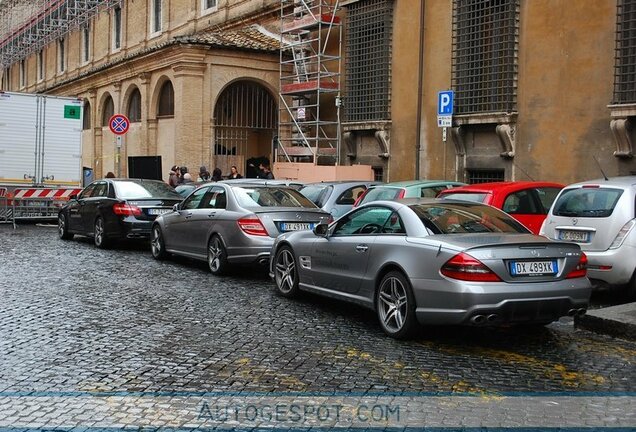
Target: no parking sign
<point>119,124</point>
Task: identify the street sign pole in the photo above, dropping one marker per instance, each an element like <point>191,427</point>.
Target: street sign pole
<point>118,125</point>
<point>118,145</point>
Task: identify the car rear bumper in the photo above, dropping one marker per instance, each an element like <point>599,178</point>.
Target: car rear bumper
<point>257,253</point>
<point>613,266</point>
<point>499,303</point>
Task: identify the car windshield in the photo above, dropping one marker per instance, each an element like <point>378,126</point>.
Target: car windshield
<point>478,197</point>
<point>263,196</point>
<point>461,218</point>
<point>144,189</point>
<point>587,202</point>
<point>318,194</point>
<point>380,193</point>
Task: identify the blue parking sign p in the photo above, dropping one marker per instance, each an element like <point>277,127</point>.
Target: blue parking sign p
<point>445,103</point>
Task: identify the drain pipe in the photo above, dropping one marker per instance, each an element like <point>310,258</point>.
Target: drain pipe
<point>420,77</point>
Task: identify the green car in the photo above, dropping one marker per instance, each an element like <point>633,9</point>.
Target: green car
<point>406,189</point>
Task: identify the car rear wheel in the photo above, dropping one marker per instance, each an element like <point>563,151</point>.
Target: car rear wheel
<point>99,234</point>
<point>285,272</point>
<point>157,245</point>
<point>395,305</point>
<point>217,256</point>
<point>62,228</point>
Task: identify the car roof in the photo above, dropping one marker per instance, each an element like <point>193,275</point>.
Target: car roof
<point>343,182</point>
<point>621,181</point>
<point>507,186</point>
<point>410,183</point>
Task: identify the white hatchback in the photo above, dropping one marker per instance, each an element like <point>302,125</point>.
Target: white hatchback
<point>600,216</point>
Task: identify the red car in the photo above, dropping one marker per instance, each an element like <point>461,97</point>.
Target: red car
<point>528,202</point>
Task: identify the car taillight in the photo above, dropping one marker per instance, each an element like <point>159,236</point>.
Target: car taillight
<point>125,209</point>
<point>581,268</point>
<point>620,237</point>
<point>401,194</point>
<point>252,225</point>
<point>464,267</point>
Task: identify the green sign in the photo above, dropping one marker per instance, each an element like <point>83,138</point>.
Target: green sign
<point>71,112</point>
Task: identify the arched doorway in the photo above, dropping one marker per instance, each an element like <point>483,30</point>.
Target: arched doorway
<point>245,122</point>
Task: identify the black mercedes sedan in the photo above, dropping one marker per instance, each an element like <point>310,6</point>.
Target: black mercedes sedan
<point>116,209</point>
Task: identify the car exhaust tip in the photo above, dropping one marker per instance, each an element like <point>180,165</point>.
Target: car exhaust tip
<point>572,312</point>
<point>478,319</point>
<point>493,318</point>
<point>581,311</point>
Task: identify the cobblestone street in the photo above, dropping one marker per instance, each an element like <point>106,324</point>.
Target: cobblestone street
<point>74,318</point>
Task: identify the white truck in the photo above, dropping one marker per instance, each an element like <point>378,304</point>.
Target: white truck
<point>40,154</point>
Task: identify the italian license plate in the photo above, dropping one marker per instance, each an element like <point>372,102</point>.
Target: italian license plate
<point>158,211</point>
<point>533,268</point>
<point>296,226</point>
<point>577,236</point>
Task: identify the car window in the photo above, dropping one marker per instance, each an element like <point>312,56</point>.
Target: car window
<point>587,202</point>
<point>144,189</point>
<point>215,198</point>
<point>473,197</point>
<point>546,196</point>
<point>459,218</point>
<point>381,193</point>
<point>193,201</point>
<point>431,192</point>
<point>369,220</point>
<point>350,196</point>
<point>87,192</point>
<point>318,194</point>
<point>521,202</point>
<point>263,196</point>
<point>101,190</point>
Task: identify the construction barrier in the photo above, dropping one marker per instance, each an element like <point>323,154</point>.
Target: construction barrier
<point>39,204</point>
<point>6,207</point>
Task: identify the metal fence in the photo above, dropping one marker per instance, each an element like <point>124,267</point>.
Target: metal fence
<point>484,176</point>
<point>485,51</point>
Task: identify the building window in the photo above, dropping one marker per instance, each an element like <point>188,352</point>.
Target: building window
<point>208,5</point>
<point>166,100</point>
<point>378,173</point>
<point>61,55</point>
<point>86,116</point>
<point>625,53</point>
<point>484,176</point>
<point>107,111</point>
<point>40,65</point>
<point>86,45</point>
<point>134,106</point>
<point>485,46</point>
<point>6,79</point>
<point>117,28</point>
<point>155,16</point>
<point>368,60</point>
<point>23,72</point>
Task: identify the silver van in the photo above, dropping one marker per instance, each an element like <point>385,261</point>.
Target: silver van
<point>600,216</point>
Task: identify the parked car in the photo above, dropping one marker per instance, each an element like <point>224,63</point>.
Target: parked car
<point>528,202</point>
<point>599,215</point>
<point>435,262</point>
<point>406,189</point>
<point>294,184</point>
<point>336,197</point>
<point>115,209</point>
<point>229,223</point>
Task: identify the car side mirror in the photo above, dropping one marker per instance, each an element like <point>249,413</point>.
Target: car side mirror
<point>72,197</point>
<point>175,207</point>
<point>322,230</point>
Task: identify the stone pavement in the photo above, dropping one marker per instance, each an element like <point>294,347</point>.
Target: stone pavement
<point>618,321</point>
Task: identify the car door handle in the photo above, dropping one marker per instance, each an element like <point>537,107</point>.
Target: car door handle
<point>362,248</point>
<point>188,215</point>
<point>211,214</point>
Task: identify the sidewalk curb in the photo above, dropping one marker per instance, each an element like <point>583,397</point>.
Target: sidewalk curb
<point>618,321</point>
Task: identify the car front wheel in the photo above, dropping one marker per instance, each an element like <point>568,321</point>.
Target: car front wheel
<point>286,272</point>
<point>395,306</point>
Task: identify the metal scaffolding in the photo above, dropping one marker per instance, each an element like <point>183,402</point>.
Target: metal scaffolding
<point>27,26</point>
<point>310,60</point>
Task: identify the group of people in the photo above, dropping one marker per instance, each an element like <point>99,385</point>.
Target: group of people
<point>179,175</point>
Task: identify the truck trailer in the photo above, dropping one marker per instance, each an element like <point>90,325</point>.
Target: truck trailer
<point>40,154</point>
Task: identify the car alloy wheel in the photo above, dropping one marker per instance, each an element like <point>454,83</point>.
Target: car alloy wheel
<point>156,244</point>
<point>285,272</point>
<point>62,228</point>
<point>217,256</point>
<point>395,305</point>
<point>100,238</point>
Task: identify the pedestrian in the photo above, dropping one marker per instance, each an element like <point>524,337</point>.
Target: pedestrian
<point>187,178</point>
<point>204,174</point>
<point>234,174</point>
<point>217,175</point>
<point>265,171</point>
<point>183,170</point>
<point>110,174</point>
<point>173,177</point>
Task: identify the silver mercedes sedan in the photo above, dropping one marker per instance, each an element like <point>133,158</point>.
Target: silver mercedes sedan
<point>433,261</point>
<point>226,224</point>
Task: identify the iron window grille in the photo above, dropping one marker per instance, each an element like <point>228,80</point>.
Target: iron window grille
<point>625,53</point>
<point>485,55</point>
<point>86,116</point>
<point>117,28</point>
<point>368,60</point>
<point>134,107</point>
<point>61,51</point>
<point>484,176</point>
<point>166,101</point>
<point>378,173</point>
